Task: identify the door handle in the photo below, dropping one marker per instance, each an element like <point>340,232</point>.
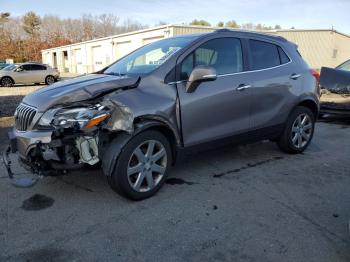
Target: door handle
<point>243,87</point>
<point>295,76</point>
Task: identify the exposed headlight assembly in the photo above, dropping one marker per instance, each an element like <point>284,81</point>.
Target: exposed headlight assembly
<point>77,117</point>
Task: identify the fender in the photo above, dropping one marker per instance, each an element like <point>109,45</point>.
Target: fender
<point>307,98</point>
<point>113,150</point>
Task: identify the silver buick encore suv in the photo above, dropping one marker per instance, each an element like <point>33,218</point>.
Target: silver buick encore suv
<point>139,115</point>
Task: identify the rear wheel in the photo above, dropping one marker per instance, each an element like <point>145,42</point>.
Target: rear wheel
<point>7,82</point>
<point>49,80</point>
<point>298,131</point>
<point>142,166</point>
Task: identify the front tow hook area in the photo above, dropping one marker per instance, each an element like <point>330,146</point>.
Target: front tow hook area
<point>25,181</point>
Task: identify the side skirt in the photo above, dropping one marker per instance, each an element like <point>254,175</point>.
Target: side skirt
<point>273,132</point>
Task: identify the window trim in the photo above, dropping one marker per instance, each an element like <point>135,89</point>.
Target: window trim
<point>198,44</point>
<point>213,39</point>
<point>272,67</point>
<point>246,58</point>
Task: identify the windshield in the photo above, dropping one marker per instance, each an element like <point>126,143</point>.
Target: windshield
<point>9,68</point>
<point>148,58</point>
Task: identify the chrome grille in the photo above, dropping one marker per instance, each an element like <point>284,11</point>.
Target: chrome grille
<point>24,116</point>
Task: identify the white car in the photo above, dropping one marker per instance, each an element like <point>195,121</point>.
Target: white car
<point>27,73</point>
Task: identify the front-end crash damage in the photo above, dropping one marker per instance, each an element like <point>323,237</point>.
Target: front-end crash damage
<point>76,135</point>
<point>67,133</point>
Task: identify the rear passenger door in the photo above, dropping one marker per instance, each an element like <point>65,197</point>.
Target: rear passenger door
<point>216,109</point>
<point>38,73</point>
<point>274,84</point>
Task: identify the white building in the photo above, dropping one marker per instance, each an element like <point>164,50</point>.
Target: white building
<point>91,56</point>
<point>319,48</point>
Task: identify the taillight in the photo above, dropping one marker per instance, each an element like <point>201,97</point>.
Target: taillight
<point>316,74</point>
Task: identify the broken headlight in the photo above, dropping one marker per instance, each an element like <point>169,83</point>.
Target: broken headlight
<point>77,117</point>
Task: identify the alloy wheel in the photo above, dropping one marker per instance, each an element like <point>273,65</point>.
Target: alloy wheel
<point>147,166</point>
<point>6,82</point>
<point>50,80</point>
<point>301,130</point>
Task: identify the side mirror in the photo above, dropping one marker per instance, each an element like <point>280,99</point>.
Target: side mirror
<point>200,74</point>
<point>19,69</point>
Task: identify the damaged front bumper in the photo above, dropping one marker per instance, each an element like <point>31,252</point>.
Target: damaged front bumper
<point>51,153</point>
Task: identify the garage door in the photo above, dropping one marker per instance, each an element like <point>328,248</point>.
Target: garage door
<point>97,58</point>
<point>77,61</point>
<point>123,48</point>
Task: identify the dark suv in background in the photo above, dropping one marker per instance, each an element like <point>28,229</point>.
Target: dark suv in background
<point>140,114</point>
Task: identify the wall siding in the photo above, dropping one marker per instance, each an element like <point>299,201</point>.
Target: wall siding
<point>318,47</point>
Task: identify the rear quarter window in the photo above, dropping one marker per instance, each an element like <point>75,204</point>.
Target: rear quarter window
<point>38,67</point>
<point>266,55</point>
<point>283,56</point>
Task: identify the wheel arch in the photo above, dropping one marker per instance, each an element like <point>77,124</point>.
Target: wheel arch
<point>13,81</point>
<point>311,104</point>
<point>143,123</point>
<point>48,76</point>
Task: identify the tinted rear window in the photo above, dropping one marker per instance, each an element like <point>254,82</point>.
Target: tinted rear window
<point>264,55</point>
<point>38,67</point>
<point>283,57</point>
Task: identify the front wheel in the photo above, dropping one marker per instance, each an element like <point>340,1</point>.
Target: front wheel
<point>142,166</point>
<point>298,131</point>
<point>6,82</point>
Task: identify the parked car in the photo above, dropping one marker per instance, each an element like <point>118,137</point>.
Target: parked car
<point>139,115</point>
<point>335,84</point>
<point>28,73</point>
<point>3,65</point>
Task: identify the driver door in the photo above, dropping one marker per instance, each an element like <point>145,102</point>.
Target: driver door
<point>24,75</point>
<point>219,108</point>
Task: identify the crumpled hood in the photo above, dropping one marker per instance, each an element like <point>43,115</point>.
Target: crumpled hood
<point>77,89</point>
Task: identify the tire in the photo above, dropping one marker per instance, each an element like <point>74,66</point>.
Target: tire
<point>49,80</point>
<point>298,131</point>
<point>7,82</point>
<point>137,175</point>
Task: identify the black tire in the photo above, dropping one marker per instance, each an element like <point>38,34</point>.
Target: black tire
<point>119,180</point>
<point>49,80</point>
<point>7,82</point>
<point>286,143</point>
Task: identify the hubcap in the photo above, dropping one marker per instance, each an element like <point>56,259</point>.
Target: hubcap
<point>147,166</point>
<point>301,130</point>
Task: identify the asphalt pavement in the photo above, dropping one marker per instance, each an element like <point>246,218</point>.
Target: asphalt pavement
<point>245,203</point>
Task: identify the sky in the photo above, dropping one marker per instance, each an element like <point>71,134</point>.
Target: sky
<point>302,14</point>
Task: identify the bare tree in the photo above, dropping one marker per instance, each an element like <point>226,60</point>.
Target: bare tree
<point>31,24</point>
